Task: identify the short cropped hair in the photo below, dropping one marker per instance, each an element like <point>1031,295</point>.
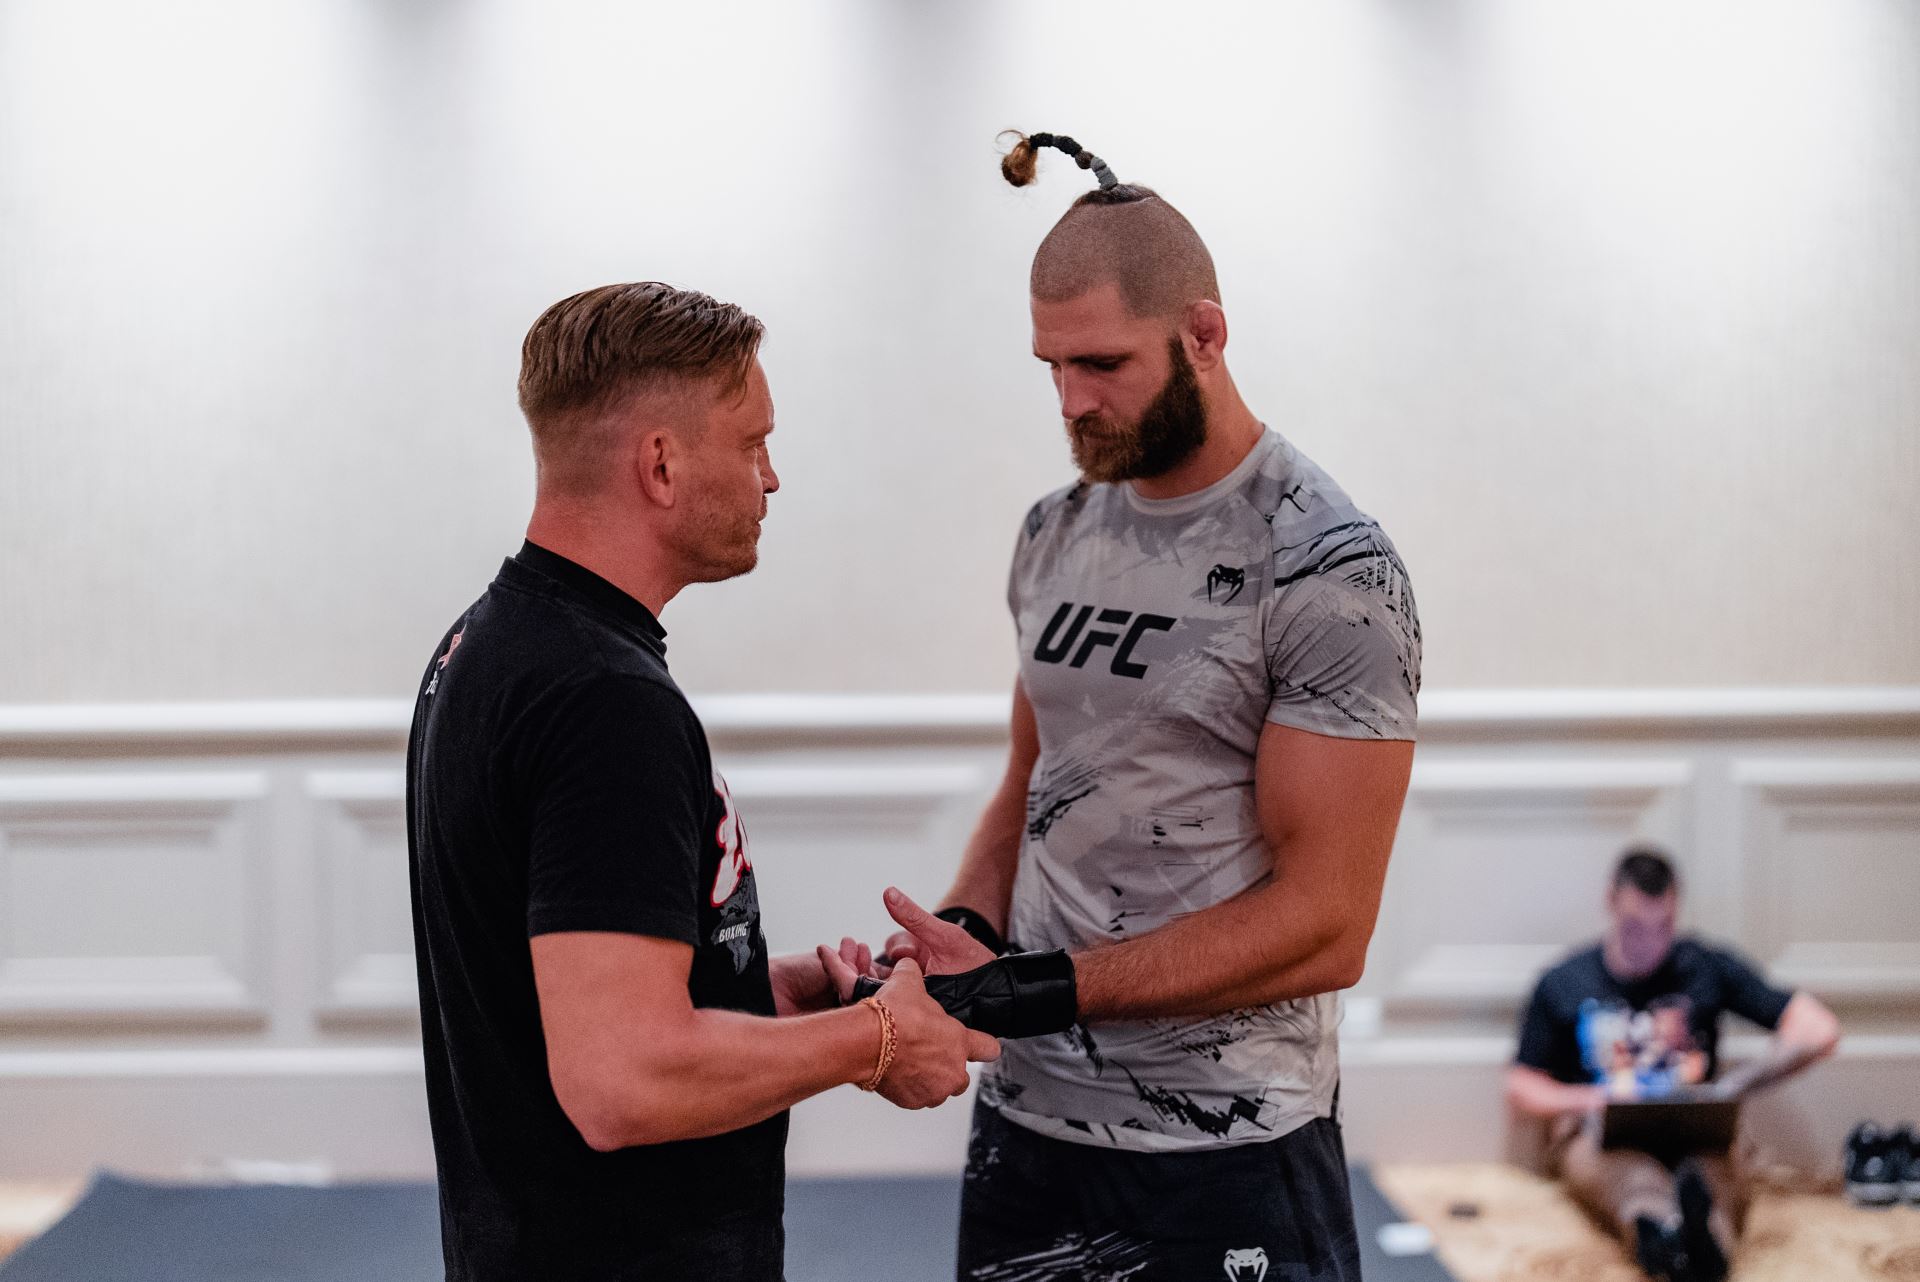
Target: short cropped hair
<point>588,354</point>
<point>1647,869</point>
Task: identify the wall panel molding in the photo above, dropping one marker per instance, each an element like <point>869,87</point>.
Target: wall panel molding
<point>132,897</point>
<point>1819,831</point>
<point>205,933</point>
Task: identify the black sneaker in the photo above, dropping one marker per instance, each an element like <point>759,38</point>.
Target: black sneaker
<point>1659,1250</point>
<point>1876,1165</point>
<point>1906,1156</point>
<point>1704,1256</point>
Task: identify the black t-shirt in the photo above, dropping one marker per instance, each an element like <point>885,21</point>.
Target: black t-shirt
<point>1646,1037</point>
<point>558,780</point>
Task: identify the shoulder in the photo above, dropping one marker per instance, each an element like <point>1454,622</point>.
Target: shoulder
<point>1321,539</point>
<point>1692,954</point>
<point>1574,976</point>
<point>1061,504</point>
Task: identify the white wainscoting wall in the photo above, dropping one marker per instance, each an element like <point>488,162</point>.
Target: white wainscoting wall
<point>206,955</point>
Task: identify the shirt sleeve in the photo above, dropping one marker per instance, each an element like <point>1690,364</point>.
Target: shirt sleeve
<point>621,794</point>
<point>1749,995</point>
<point>1343,645</point>
<point>1538,1032</point>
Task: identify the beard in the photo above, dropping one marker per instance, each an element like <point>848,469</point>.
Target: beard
<point>720,540</point>
<point>1170,429</point>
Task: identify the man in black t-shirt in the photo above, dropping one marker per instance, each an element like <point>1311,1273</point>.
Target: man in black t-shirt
<point>610,1052</point>
<point>1637,1017</point>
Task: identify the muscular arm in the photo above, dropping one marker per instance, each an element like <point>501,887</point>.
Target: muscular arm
<point>985,880</point>
<point>1328,810</point>
<point>634,1062</point>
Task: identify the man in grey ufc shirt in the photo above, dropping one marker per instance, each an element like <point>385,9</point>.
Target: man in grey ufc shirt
<point>1212,734</point>
<point>1157,639</point>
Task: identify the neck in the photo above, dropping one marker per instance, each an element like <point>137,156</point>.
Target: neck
<point>1612,956</point>
<point>1232,431</point>
<point>629,559</point>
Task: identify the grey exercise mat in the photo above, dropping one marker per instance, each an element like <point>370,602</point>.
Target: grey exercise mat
<point>125,1230</point>
<point>1372,1212</point>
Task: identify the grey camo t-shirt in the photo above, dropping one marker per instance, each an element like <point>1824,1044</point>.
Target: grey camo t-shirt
<point>1156,639</point>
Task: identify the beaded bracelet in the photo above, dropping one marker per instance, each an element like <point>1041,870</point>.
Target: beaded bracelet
<point>888,1041</point>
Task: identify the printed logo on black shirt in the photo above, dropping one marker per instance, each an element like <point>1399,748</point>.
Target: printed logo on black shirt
<point>734,893</point>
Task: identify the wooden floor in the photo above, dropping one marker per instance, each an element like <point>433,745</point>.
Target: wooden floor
<point>1525,1230</point>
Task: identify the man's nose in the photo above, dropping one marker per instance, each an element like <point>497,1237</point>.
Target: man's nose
<point>1078,396</point>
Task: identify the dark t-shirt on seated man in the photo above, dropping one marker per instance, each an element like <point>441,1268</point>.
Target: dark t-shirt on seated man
<point>558,780</point>
<point>1642,1039</point>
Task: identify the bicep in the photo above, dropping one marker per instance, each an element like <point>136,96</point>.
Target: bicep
<point>606,1000</point>
<point>1329,807</point>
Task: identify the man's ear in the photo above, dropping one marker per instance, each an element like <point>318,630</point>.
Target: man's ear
<point>656,463</point>
<point>1206,334</point>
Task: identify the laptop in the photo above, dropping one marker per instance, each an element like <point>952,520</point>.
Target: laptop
<point>1678,1123</point>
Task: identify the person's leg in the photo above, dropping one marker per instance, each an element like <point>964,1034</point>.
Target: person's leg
<point>1731,1194</point>
<point>1279,1209</point>
<point>1019,1217</point>
<point>1617,1187</point>
<point>1712,1209</point>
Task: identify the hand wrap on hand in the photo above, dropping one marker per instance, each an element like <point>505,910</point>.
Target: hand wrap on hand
<point>1019,995</point>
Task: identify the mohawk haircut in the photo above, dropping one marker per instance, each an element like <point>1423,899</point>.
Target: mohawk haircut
<point>1122,234</point>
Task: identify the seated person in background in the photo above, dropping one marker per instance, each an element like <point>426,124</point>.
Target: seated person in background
<point>1637,1017</point>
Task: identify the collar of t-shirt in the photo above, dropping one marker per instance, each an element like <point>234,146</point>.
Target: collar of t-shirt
<point>577,580</point>
<point>1185,504</point>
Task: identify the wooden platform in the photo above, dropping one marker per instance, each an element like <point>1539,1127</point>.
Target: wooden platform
<point>1525,1230</point>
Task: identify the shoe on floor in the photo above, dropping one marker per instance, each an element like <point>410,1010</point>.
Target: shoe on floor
<point>1876,1165</point>
<point>1659,1250</point>
<point>1906,1158</point>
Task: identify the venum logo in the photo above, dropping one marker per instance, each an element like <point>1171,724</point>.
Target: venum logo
<point>1060,634</point>
<point>1247,1266</point>
<point>1223,577</point>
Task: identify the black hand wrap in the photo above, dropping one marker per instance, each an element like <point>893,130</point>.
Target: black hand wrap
<point>1019,995</point>
<point>976,925</point>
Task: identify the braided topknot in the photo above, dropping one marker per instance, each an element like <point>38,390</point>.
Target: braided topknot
<point>1019,163</point>
<point>1119,233</point>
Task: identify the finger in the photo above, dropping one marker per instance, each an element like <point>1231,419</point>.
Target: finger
<point>864,963</point>
<point>850,954</point>
<point>904,910</point>
<point>905,946</point>
<point>982,1049</point>
<point>838,971</point>
<point>882,971</point>
<point>907,971</point>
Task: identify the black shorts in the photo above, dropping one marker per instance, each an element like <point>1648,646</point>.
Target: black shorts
<point>1038,1209</point>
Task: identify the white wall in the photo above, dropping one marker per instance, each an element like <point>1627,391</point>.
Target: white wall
<point>205,953</point>
<point>1609,311</point>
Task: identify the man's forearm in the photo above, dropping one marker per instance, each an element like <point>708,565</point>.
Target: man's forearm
<point>1248,951</point>
<point>1535,1094</point>
<point>724,1070</point>
<point>984,882</point>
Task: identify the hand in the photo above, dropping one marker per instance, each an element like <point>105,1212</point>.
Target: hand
<point>853,960</point>
<point>939,947</point>
<point>931,1048</point>
<point>800,984</point>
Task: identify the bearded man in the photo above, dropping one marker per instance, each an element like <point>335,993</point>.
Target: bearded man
<point>1212,735</point>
